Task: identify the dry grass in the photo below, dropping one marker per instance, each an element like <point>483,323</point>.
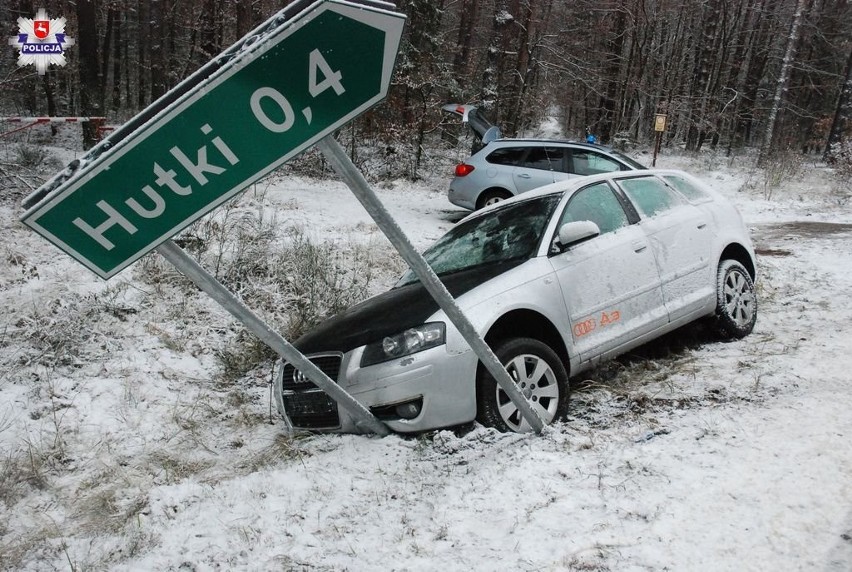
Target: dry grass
<point>283,275</point>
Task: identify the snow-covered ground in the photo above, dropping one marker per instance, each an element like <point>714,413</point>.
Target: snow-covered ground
<point>123,447</point>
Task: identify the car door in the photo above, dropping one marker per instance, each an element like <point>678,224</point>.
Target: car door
<point>610,283</point>
<point>681,240</point>
<point>536,168</point>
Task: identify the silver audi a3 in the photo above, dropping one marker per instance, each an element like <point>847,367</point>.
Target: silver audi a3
<point>556,280</point>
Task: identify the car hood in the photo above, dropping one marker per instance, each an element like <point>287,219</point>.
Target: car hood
<point>392,312</point>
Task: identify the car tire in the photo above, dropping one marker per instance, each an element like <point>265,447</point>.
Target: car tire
<point>492,196</point>
<point>736,302</point>
<point>540,376</point>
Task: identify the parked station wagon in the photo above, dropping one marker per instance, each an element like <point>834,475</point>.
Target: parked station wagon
<point>502,168</point>
<point>556,280</point>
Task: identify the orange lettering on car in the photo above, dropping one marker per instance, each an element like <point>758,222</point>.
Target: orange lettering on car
<point>584,327</point>
<point>613,316</point>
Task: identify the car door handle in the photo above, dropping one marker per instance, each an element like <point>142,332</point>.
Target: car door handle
<point>524,176</point>
<point>639,245</point>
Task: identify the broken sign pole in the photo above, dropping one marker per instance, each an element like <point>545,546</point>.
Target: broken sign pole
<point>344,167</point>
<point>213,288</point>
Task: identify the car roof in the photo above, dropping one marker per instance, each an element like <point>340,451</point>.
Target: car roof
<point>491,135</point>
<point>571,185</point>
<point>534,141</point>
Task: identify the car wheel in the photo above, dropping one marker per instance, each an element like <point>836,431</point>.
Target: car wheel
<point>491,197</point>
<point>736,302</point>
<point>539,374</point>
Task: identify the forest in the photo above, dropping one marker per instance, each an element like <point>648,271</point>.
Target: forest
<point>774,75</point>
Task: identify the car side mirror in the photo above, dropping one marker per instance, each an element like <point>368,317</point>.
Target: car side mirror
<point>572,233</point>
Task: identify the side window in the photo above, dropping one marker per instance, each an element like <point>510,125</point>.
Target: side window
<point>592,163</point>
<point>650,195</point>
<point>545,158</point>
<point>598,204</point>
<point>687,188</point>
<point>506,156</point>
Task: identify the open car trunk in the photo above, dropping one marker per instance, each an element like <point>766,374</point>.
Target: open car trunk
<point>476,120</point>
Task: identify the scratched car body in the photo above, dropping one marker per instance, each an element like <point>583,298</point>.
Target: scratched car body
<point>555,280</point>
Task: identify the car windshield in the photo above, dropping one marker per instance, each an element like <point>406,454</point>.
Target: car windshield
<point>510,232</point>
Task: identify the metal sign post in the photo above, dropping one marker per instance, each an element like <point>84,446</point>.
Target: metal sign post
<point>287,84</point>
<point>361,189</point>
<point>659,127</point>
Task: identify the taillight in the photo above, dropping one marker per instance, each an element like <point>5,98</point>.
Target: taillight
<point>463,169</point>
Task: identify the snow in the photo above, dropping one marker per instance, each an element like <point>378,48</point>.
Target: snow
<point>129,451</point>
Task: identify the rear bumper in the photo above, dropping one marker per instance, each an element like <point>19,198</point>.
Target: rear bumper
<point>461,199</point>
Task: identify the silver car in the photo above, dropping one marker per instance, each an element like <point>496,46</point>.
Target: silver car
<point>503,168</point>
<point>556,280</point>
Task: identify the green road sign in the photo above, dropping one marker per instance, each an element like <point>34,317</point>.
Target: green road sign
<point>278,96</point>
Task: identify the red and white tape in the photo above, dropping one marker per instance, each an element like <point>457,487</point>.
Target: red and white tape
<point>51,119</point>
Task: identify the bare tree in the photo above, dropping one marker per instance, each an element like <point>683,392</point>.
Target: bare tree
<point>767,73</point>
<point>783,79</point>
<point>91,87</point>
<point>842,116</point>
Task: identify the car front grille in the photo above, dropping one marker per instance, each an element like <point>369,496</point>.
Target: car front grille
<point>307,405</point>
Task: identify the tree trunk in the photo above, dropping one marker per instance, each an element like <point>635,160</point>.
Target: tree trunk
<point>614,49</point>
<point>464,41</point>
<point>514,91</point>
<point>783,79</point>
<point>841,116</point>
<point>704,66</point>
<point>754,66</point>
<point>90,81</point>
<point>105,61</point>
<point>116,66</point>
<point>244,18</point>
<point>159,56</point>
<point>492,75</point>
<point>47,84</point>
<point>211,30</point>
<point>143,53</point>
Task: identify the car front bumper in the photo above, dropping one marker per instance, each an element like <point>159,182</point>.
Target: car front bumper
<point>439,383</point>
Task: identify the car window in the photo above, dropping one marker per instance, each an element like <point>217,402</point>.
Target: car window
<point>545,158</point>
<point>650,195</point>
<point>687,188</point>
<point>631,162</point>
<point>598,204</point>
<point>506,155</point>
<point>586,162</point>
<point>508,233</point>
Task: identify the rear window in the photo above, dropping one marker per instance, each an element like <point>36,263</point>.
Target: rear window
<point>687,188</point>
<point>598,204</point>
<point>628,160</point>
<point>506,156</point>
<point>650,195</point>
<point>591,163</point>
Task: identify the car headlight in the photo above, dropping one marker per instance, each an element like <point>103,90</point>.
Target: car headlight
<point>409,342</point>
